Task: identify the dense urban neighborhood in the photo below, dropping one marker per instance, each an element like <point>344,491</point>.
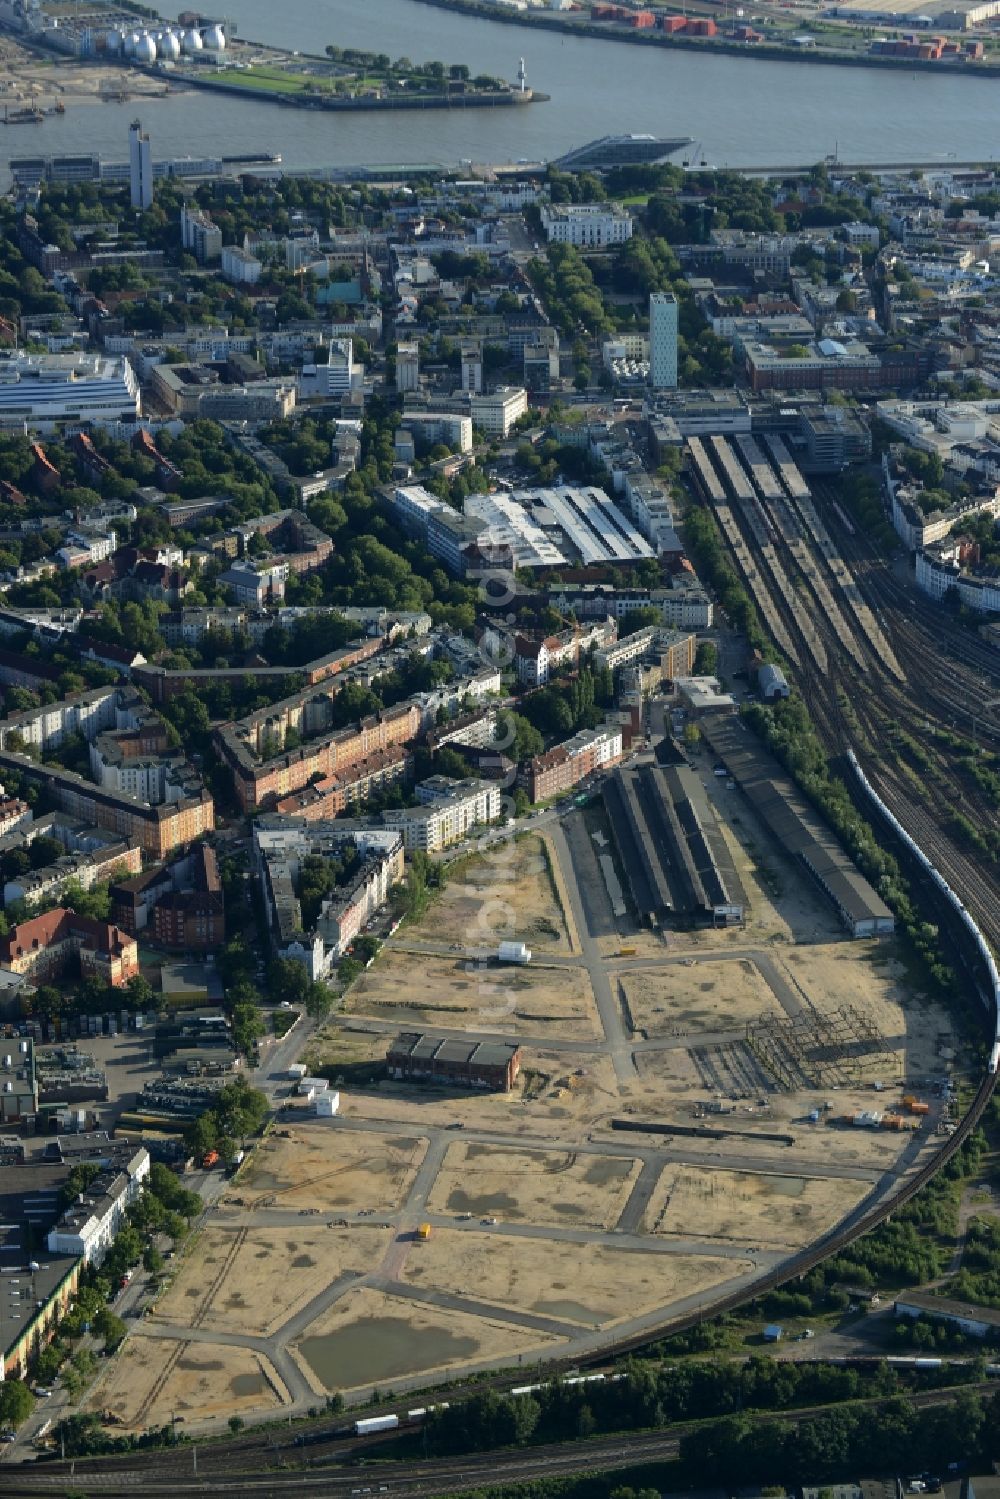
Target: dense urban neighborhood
<point>499,851</point>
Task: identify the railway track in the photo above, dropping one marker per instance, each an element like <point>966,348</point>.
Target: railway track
<point>324,1469</point>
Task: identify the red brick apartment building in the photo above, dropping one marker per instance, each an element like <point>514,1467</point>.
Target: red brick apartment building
<point>569,763</point>
<point>44,947</point>
<point>194,918</point>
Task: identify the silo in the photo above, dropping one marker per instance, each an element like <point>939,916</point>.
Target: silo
<point>215,39</point>
<point>145,49</point>
<point>170,47</point>
<point>113,43</point>
<point>192,41</point>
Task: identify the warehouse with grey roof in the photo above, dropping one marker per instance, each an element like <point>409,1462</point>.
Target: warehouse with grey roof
<point>677,863</point>
<point>794,825</point>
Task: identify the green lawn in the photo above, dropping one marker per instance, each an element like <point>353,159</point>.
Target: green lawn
<point>268,80</point>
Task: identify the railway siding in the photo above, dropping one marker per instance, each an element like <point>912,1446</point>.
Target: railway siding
<point>711,490</point>
<point>801,495</point>
<point>759,523</point>
<point>787,525</point>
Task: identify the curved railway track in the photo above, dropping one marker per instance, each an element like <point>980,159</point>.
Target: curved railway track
<point>325,1468</point>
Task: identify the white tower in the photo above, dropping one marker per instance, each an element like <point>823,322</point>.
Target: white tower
<point>140,167</point>
<point>522,76</point>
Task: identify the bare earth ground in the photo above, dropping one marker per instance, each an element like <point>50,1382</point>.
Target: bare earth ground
<point>273,1272</point>
<point>368,1337</point>
<point>533,1158</point>
<point>26,79</point>
<point>783,1211</point>
<point>592,1284</point>
<point>150,1381</point>
<point>302,1167</point>
<point>870,976</point>
<point>509,894</point>
<point>418,989</point>
<point>715,994</point>
<point>534,1186</point>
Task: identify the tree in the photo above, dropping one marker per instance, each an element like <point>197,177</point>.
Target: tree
<point>16,1402</point>
<point>110,1327</point>
<point>140,992</point>
<point>152,1260</point>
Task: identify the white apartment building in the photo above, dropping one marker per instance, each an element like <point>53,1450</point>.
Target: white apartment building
<point>938,570</point>
<point>440,426</point>
<point>200,235</point>
<point>449,811</point>
<point>629,648</point>
<point>496,413</point>
<point>87,1229</point>
<point>332,375</point>
<point>861,234</point>
<point>407,367</point>
<point>255,586</point>
<point>586,225</point>
<point>86,713</point>
<point>240,267</point>
<point>414,505</point>
<point>685,608</point>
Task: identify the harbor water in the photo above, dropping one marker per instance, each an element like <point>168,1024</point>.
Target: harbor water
<point>740,112</point>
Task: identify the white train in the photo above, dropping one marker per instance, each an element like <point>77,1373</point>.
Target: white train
<point>982,945</point>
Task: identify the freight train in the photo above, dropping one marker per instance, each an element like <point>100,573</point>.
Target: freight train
<point>982,946</point>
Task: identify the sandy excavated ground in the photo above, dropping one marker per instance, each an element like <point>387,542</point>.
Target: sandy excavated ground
<point>776,1211</point>
<point>869,976</point>
<point>27,79</point>
<point>368,1337</point>
<point>270,1273</point>
<point>418,989</point>
<point>310,1166</point>
<point>591,1284</point>
<point>527,1186</point>
<point>508,894</point>
<point>715,994</point>
<point>153,1379</point>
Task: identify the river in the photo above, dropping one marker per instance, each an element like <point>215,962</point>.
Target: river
<point>743,113</point>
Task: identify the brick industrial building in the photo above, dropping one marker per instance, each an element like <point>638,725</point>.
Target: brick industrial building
<point>469,1063</point>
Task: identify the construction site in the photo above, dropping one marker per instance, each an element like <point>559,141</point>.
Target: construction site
<point>693,1107</point>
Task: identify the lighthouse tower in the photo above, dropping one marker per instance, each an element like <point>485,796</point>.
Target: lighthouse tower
<point>522,76</point>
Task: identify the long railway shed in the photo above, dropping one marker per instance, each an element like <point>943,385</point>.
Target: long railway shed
<point>795,827</point>
<point>676,860</point>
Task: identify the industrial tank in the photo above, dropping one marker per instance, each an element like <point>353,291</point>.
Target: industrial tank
<point>113,43</point>
<point>168,46</point>
<point>145,49</point>
<point>215,39</point>
<point>192,41</point>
